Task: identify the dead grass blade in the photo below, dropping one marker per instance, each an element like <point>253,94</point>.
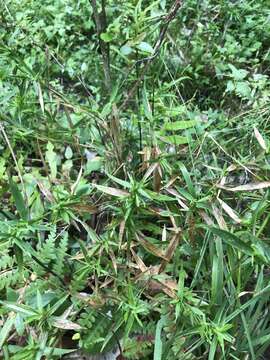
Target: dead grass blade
<point>229,211</point>
<point>150,247</point>
<point>111,191</point>
<point>247,187</point>
<point>170,250</point>
<point>260,139</point>
<point>218,216</point>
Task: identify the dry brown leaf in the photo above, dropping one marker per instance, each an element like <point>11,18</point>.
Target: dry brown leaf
<point>247,187</point>
<point>94,300</point>
<point>172,246</point>
<point>260,139</point>
<point>84,208</point>
<point>171,182</point>
<point>66,324</point>
<point>153,249</point>
<point>229,211</point>
<point>164,234</point>
<point>156,210</point>
<point>139,261</point>
<point>112,256</point>
<point>168,286</point>
<point>74,186</point>
<point>106,283</point>
<point>170,250</point>
<point>179,198</point>
<point>111,191</point>
<point>146,155</point>
<point>150,170</point>
<point>157,178</point>
<point>45,191</point>
<point>218,216</point>
<point>121,232</point>
<point>206,218</point>
<point>232,167</point>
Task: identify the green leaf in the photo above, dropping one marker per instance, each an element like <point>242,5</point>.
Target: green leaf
<point>180,125</point>
<point>21,309</point>
<point>51,157</point>
<point>19,256</point>
<point>232,240</point>
<point>68,153</point>
<point>243,89</point>
<point>158,340</point>
<point>19,324</point>
<point>93,165</point>
<point>175,139</point>
<point>121,182</point>
<point>57,305</point>
<point>217,275</point>
<point>126,50</point>
<point>18,198</point>
<point>106,37</point>
<point>188,181</point>
<point>6,330</point>
<point>144,46</point>
<point>213,348</point>
<point>238,74</point>
<point>146,105</point>
<point>230,86</point>
<point>247,331</point>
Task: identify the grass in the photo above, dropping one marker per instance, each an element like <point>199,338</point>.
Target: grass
<point>134,174</point>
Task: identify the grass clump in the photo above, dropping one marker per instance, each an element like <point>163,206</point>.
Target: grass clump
<point>134,177</point>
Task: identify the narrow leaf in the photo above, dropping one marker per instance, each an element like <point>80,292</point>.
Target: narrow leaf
<point>232,214</point>
<point>66,324</point>
<point>247,187</point>
<point>180,125</point>
<point>18,198</point>
<point>158,341</point>
<point>232,240</point>
<point>260,139</point>
<point>112,191</point>
<point>175,139</point>
<point>6,330</point>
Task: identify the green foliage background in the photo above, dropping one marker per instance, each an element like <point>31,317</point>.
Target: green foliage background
<point>135,211</point>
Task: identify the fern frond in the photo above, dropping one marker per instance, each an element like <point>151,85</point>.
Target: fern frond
<point>46,251</point>
<point>61,251</point>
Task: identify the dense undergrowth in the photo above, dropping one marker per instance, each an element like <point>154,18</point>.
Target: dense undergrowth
<point>134,173</point>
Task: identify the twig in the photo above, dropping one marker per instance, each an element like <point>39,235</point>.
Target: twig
<point>164,27</point>
<point>101,24</point>
<point>100,20</point>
